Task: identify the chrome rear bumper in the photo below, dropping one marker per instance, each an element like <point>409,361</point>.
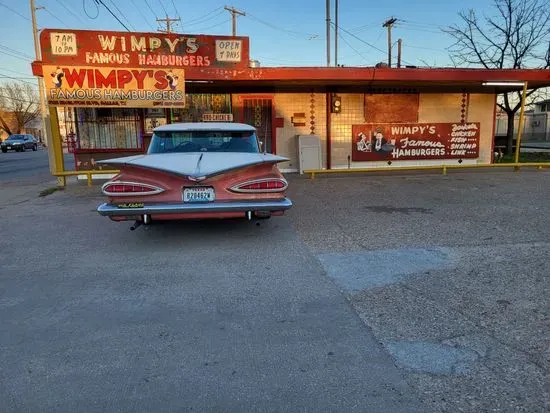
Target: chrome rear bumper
<point>181,208</point>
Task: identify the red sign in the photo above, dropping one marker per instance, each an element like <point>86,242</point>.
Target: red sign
<point>414,141</point>
<point>142,50</point>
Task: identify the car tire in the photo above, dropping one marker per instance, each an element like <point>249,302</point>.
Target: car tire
<point>4,150</point>
<point>35,147</point>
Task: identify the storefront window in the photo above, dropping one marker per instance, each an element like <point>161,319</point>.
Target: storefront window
<point>108,128</point>
<point>197,104</point>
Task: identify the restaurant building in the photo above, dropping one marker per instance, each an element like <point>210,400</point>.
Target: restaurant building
<point>112,88</point>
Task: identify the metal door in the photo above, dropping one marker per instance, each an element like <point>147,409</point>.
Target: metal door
<point>258,113</point>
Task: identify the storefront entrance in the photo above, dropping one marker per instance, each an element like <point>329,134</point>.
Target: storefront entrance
<point>258,112</point>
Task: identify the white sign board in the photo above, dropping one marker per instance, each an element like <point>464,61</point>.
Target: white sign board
<point>63,44</point>
<point>217,117</point>
<point>229,50</point>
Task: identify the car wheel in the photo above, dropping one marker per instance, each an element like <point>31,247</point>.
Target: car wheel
<point>4,150</point>
<point>35,148</point>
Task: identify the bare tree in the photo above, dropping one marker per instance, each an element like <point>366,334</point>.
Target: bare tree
<point>18,106</point>
<point>516,36</point>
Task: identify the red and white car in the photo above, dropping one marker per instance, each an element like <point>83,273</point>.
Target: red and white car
<point>197,171</point>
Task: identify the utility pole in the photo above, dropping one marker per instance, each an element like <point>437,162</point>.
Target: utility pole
<point>168,22</point>
<point>328,32</point>
<point>399,45</point>
<point>234,13</point>
<point>389,23</point>
<point>41,95</point>
<point>336,33</point>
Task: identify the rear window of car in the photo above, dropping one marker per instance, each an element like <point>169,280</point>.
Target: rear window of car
<point>204,141</point>
<point>15,137</point>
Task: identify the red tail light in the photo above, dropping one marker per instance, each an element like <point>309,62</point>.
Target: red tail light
<point>123,188</point>
<point>261,185</point>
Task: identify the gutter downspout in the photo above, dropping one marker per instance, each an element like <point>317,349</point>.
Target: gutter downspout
<point>329,127</point>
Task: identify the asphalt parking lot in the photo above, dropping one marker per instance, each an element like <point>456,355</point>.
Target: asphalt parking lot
<point>378,293</point>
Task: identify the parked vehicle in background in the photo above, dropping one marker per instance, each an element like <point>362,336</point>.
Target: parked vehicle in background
<point>19,142</point>
<point>196,171</point>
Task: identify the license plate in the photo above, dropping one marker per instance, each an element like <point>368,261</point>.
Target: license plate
<point>199,194</point>
<point>9,147</point>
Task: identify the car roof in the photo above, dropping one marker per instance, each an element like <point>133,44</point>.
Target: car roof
<point>205,126</point>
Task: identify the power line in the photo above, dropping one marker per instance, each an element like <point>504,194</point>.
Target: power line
<point>55,17</point>
<point>150,8</point>
<point>175,8</point>
<point>15,11</point>
<point>14,71</point>
<point>203,20</point>
<point>290,32</point>
<point>13,55</point>
<point>19,79</point>
<point>142,15</point>
<point>203,17</point>
<point>350,46</point>
<point>163,8</point>
<point>70,11</point>
<point>16,52</point>
<point>122,14</point>
<point>215,25</point>
<point>100,2</point>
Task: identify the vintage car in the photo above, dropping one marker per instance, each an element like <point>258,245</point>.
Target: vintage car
<point>197,171</point>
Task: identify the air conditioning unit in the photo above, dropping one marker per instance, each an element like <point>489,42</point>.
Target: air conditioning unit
<point>309,152</point>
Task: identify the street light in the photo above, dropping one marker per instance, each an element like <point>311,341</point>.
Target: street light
<point>521,112</point>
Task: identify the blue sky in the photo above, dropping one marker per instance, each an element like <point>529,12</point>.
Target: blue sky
<point>282,33</point>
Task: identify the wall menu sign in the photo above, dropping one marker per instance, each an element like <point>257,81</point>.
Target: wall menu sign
<point>114,86</point>
<point>415,141</point>
<point>124,49</point>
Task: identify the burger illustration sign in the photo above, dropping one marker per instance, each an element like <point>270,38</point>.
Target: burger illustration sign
<point>113,87</point>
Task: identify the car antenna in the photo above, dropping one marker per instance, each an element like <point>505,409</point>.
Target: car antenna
<point>198,164</point>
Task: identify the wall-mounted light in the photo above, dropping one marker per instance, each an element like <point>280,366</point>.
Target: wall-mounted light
<point>502,83</point>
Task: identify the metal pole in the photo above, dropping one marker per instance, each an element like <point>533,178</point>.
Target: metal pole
<point>399,44</point>
<point>328,32</point>
<point>234,23</point>
<point>521,119</point>
<point>41,94</point>
<point>336,33</point>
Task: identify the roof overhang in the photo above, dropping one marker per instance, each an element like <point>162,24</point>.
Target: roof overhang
<point>358,79</point>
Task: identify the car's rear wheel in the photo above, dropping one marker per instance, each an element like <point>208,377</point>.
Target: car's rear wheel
<point>4,150</point>
<point>35,147</point>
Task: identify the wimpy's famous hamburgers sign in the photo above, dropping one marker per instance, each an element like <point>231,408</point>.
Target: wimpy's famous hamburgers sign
<point>108,86</point>
<point>415,141</point>
<point>89,68</point>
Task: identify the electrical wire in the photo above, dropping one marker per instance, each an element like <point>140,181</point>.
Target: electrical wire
<point>18,79</point>
<point>349,45</point>
<point>55,17</point>
<point>290,32</point>
<point>163,8</point>
<point>175,9</point>
<point>205,18</point>
<point>12,55</point>
<point>100,2</point>
<point>151,9</point>
<point>123,15</point>
<point>16,52</point>
<point>215,25</point>
<point>70,11</point>
<point>15,11</point>
<point>142,15</point>
<point>86,11</point>
<point>14,71</point>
